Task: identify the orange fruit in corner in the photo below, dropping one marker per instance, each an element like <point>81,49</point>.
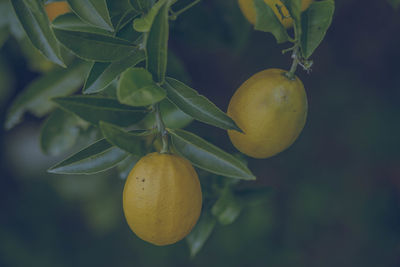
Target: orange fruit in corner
<point>162,198</point>
<point>271,110</point>
<point>56,9</point>
<point>247,7</point>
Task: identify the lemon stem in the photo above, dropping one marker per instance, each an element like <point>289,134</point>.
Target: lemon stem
<point>295,63</point>
<point>161,129</point>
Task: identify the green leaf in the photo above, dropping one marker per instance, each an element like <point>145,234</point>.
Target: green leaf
<point>207,156</point>
<point>171,115</point>
<point>125,166</point>
<point>142,5</point>
<point>71,22</point>
<point>59,133</point>
<point>129,141</point>
<point>394,3</point>
<point>120,20</point>
<point>227,208</point>
<point>35,60</point>
<point>128,33</point>
<point>157,44</point>
<point>98,157</point>
<point>315,23</point>
<point>267,21</point>
<point>137,88</point>
<point>92,46</point>
<point>197,106</point>
<point>110,90</point>
<point>94,12</point>
<point>102,74</point>
<point>36,24</point>
<point>9,18</point>
<point>6,10</point>
<point>201,232</point>
<point>95,109</point>
<point>4,34</point>
<point>8,79</point>
<point>119,7</point>
<point>294,8</point>
<point>36,97</point>
<point>144,23</point>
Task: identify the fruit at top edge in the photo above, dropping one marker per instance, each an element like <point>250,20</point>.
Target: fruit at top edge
<point>56,9</point>
<point>248,10</point>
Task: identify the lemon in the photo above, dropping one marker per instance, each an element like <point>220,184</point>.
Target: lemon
<point>56,9</point>
<point>271,110</point>
<point>247,7</point>
<point>162,198</point>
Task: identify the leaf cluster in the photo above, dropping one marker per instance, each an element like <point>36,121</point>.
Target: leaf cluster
<point>309,27</point>
<point>117,53</point>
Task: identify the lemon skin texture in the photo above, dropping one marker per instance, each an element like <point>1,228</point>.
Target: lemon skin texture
<point>248,10</point>
<point>271,110</point>
<point>56,9</point>
<point>162,198</point>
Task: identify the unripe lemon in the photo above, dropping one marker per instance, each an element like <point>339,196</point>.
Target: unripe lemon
<point>271,110</point>
<point>248,10</point>
<point>56,9</point>
<point>162,198</point>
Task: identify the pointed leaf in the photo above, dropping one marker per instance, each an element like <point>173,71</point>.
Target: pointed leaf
<point>227,208</point>
<point>121,12</point>
<point>36,24</point>
<point>120,20</point>
<point>59,133</point>
<point>207,156</point>
<point>201,232</point>
<point>142,5</point>
<point>110,90</point>
<point>144,23</point>
<point>157,44</point>
<point>267,21</point>
<point>128,33</point>
<point>315,23</point>
<point>92,46</point>
<point>137,88</point>
<point>118,7</point>
<point>129,141</point>
<point>102,74</point>
<point>36,97</point>
<point>94,12</point>
<point>197,106</point>
<point>72,22</point>
<point>125,166</point>
<point>95,109</point>
<point>4,34</point>
<point>171,115</point>
<point>95,158</point>
<point>9,18</point>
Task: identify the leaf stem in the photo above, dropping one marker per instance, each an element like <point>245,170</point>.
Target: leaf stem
<point>177,13</point>
<point>161,129</point>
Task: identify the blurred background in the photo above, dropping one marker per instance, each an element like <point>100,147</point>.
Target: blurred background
<point>335,194</point>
